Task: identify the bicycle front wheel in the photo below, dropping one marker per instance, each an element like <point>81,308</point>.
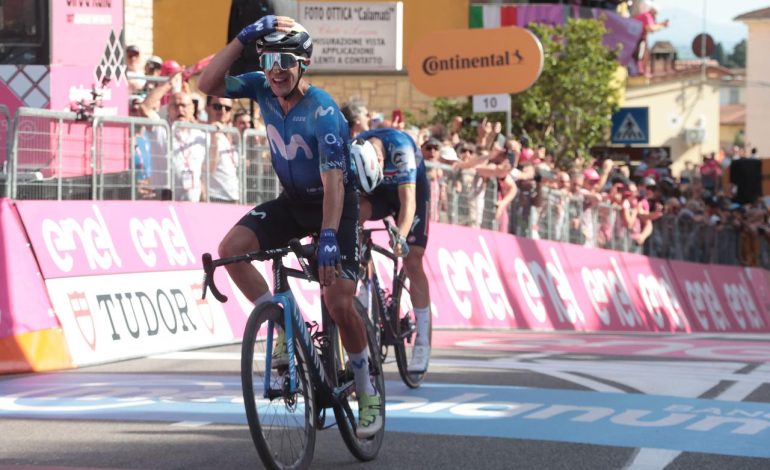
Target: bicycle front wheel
<point>364,449</point>
<point>406,327</point>
<point>280,421</point>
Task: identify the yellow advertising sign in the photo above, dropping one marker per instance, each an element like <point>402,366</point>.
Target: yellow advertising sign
<point>467,62</point>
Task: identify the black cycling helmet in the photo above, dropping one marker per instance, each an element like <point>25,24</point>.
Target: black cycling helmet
<point>297,41</point>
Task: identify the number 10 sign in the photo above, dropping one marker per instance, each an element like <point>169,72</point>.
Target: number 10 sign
<point>492,103</point>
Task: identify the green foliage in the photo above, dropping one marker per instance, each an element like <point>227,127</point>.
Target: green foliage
<point>569,108</point>
<point>737,58</point>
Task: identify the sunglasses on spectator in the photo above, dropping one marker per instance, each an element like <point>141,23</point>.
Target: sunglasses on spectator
<point>466,150</point>
<point>430,147</point>
<point>220,107</point>
<point>285,60</point>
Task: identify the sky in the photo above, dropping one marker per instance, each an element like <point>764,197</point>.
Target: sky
<point>686,20</point>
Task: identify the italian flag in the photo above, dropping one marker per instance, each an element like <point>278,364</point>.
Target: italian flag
<point>492,16</point>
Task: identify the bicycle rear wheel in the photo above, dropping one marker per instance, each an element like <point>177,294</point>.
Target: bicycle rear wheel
<point>404,350</point>
<point>364,449</point>
<point>282,423</point>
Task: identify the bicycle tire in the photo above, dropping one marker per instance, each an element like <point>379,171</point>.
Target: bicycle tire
<point>365,449</point>
<point>282,428</point>
<point>404,352</point>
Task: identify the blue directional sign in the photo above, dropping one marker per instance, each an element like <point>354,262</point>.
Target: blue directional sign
<point>631,126</point>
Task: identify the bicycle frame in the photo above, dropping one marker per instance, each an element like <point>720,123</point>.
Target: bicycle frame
<point>391,338</point>
<point>293,322</point>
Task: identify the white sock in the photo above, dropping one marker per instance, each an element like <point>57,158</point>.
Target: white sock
<point>266,297</point>
<point>422,318</point>
<point>360,363</point>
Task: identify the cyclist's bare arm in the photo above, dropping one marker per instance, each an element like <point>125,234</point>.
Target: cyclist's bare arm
<point>333,201</point>
<point>212,79</point>
<point>407,198</point>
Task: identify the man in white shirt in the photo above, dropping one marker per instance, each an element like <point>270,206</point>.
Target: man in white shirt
<point>188,145</point>
<point>224,159</point>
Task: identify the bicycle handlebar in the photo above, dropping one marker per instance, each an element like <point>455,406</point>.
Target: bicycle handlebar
<point>304,254</point>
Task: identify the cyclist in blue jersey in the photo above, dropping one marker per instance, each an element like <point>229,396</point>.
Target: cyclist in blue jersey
<point>405,194</point>
<point>309,146</point>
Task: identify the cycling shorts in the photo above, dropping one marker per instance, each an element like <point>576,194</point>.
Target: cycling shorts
<point>278,221</point>
<point>385,202</point>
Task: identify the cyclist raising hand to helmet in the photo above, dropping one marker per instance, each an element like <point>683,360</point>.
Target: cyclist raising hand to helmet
<point>309,146</point>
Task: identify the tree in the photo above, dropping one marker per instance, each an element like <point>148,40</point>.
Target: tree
<point>737,58</point>
<point>569,108</point>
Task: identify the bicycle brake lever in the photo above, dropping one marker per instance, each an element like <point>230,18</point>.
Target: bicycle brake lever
<point>208,279</point>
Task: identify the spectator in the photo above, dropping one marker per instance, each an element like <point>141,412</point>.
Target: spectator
<point>188,145</point>
<point>711,173</point>
<point>647,11</point>
<point>152,69</point>
<point>142,153</point>
<point>134,67</point>
<point>436,182</point>
<point>471,187</point>
<point>224,160</point>
<point>242,120</point>
<point>357,115</point>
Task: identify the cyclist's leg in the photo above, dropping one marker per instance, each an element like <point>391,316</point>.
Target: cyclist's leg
<point>339,301</point>
<point>267,226</point>
<point>419,288</point>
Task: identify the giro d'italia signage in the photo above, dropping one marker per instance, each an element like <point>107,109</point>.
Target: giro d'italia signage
<point>355,36</point>
<point>476,61</point>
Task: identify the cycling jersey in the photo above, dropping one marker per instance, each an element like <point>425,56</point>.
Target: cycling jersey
<point>403,165</point>
<point>310,139</point>
<point>402,157</point>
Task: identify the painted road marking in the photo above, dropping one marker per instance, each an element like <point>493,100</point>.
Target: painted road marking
<point>754,349</point>
<point>614,419</point>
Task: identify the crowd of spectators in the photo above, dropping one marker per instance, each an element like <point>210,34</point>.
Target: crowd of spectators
<point>514,185</point>
<point>504,182</point>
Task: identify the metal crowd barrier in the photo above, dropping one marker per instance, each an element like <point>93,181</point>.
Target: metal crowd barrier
<point>260,181</point>
<point>131,153</point>
<point>6,125</point>
<point>52,155</point>
<point>47,156</point>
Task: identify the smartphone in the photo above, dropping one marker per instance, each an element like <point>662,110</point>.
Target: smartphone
<point>398,116</point>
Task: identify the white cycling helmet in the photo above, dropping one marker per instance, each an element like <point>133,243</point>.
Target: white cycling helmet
<point>367,164</point>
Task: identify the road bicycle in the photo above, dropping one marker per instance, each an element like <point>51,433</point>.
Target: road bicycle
<point>394,327</point>
<point>286,404</point>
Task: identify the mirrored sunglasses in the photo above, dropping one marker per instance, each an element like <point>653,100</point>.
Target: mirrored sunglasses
<point>220,107</point>
<point>284,60</point>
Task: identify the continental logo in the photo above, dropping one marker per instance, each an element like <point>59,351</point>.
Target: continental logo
<point>481,61</point>
<point>434,65</point>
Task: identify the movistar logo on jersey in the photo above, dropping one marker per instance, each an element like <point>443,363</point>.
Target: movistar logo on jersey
<point>330,249</point>
<point>287,151</point>
<point>321,111</point>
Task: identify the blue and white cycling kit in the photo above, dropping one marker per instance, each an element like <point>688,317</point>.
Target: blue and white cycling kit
<point>311,138</point>
<point>403,165</point>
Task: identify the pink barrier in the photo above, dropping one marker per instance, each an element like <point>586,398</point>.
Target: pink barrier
<point>24,304</point>
<point>123,278</point>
